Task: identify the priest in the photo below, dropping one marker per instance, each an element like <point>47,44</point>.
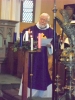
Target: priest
<point>41,81</point>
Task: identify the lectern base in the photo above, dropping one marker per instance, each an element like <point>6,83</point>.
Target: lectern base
<point>30,98</point>
<point>38,98</point>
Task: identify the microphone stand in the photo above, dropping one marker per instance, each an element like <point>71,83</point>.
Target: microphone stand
<point>54,51</point>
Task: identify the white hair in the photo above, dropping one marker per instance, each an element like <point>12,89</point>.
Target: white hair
<point>46,14</point>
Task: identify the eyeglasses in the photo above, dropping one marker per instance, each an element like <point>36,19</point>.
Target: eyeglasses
<point>45,20</point>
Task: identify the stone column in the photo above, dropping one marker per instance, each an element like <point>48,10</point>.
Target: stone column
<point>10,10</point>
<point>16,4</point>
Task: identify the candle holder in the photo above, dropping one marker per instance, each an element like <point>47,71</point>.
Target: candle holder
<point>67,57</point>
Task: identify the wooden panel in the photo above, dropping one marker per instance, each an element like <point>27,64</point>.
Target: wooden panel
<point>25,25</point>
<point>20,63</point>
<point>11,94</point>
<point>11,60</point>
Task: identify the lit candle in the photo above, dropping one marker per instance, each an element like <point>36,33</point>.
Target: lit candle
<point>20,39</point>
<point>39,41</point>
<point>26,36</point>
<point>31,43</point>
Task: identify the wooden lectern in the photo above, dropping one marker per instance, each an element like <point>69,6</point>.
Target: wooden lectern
<point>25,76</point>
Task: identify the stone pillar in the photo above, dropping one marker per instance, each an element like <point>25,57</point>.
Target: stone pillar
<point>10,10</point>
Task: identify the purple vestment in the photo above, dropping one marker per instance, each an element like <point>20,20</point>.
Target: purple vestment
<point>41,78</point>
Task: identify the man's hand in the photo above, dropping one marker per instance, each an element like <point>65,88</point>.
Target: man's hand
<point>49,45</point>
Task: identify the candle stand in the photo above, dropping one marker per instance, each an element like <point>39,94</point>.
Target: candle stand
<point>25,74</point>
<point>68,59</point>
<point>31,74</point>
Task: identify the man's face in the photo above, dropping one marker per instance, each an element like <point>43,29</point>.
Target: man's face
<point>43,21</point>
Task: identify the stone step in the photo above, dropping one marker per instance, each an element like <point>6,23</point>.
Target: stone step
<point>11,94</point>
<point>9,86</point>
<point>9,82</point>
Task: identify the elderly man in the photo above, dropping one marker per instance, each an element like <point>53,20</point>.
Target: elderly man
<point>41,82</point>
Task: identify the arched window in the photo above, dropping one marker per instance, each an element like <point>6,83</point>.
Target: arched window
<point>28,11</point>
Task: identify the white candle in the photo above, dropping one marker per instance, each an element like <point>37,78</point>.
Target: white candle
<point>26,36</point>
<point>70,57</point>
<point>31,43</point>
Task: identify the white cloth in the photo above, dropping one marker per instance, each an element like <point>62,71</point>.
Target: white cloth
<point>66,41</point>
<point>42,28</point>
<point>50,50</point>
<point>38,93</point>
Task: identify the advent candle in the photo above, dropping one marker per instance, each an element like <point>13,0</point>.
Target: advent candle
<point>20,39</point>
<point>14,37</point>
<point>39,41</point>
<point>26,36</point>
<point>31,43</point>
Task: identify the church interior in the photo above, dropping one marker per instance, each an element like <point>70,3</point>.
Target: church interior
<point>12,63</point>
